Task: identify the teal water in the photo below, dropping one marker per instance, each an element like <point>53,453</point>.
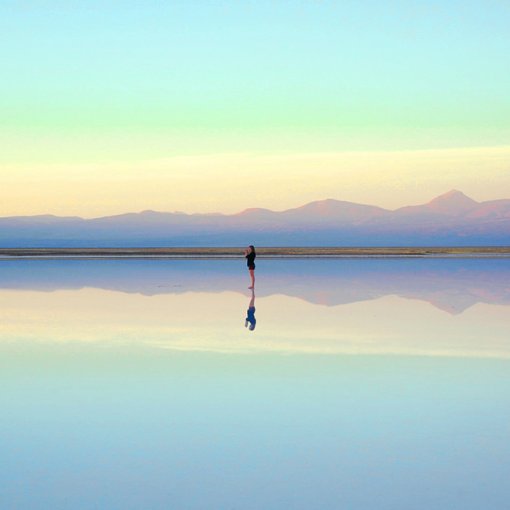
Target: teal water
<point>365,384</point>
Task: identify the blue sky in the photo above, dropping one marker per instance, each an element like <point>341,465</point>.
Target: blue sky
<point>107,83</point>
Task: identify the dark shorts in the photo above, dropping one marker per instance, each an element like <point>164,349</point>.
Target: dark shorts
<point>252,267</point>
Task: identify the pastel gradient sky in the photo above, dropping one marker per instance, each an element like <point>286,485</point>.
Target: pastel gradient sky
<point>202,106</point>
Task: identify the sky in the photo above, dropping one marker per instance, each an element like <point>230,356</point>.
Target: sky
<point>204,106</point>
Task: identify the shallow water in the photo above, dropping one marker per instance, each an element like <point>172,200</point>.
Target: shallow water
<point>364,384</point>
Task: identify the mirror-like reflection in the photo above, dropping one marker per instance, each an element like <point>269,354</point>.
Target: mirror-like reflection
<point>250,321</point>
<point>452,285</point>
<point>411,307</point>
<point>149,384</point>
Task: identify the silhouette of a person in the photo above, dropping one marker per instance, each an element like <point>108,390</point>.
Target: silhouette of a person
<point>250,313</point>
<point>250,255</point>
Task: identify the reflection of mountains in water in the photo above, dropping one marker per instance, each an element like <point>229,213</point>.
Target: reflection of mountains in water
<point>452,285</point>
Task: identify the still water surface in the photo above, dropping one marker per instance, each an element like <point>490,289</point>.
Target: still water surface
<point>364,384</point>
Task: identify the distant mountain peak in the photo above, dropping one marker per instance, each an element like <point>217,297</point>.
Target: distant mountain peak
<point>453,195</point>
<point>452,202</point>
<point>324,204</point>
<point>331,204</point>
<point>254,210</point>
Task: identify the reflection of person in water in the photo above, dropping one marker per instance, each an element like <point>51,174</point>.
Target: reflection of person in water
<point>250,255</point>
<point>250,313</point>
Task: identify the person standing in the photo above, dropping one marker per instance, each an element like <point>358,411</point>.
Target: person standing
<point>250,255</point>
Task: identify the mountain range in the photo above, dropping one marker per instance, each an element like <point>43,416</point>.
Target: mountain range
<point>451,219</point>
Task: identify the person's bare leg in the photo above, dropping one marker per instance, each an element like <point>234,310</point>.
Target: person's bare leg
<point>252,276</point>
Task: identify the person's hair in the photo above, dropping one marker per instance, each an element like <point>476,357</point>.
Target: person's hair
<point>252,249</point>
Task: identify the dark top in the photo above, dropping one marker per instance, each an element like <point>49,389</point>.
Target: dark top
<point>250,260</point>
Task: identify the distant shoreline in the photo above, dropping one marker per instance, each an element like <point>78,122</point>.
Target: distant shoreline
<point>265,252</point>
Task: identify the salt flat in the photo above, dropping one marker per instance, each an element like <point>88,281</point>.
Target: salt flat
<point>365,383</point>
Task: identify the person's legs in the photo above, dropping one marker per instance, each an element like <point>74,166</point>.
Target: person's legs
<point>252,276</point>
